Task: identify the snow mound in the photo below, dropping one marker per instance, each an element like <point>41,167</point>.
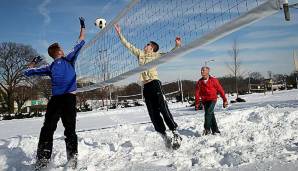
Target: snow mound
<point>255,136</point>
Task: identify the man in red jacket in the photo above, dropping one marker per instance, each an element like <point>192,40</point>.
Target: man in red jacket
<point>207,89</point>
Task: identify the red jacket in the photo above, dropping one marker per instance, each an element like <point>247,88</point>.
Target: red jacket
<point>208,91</point>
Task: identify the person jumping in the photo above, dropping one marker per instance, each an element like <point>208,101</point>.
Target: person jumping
<point>62,103</point>
<point>153,94</point>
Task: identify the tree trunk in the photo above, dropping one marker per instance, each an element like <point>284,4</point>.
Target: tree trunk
<point>10,102</point>
<point>19,107</point>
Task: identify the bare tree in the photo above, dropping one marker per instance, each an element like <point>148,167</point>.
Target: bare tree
<point>43,85</point>
<point>13,60</point>
<point>82,100</point>
<point>21,95</point>
<point>235,66</point>
<point>132,88</point>
<point>256,77</point>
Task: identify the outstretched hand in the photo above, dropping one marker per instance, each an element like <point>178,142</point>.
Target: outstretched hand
<point>34,61</point>
<point>178,41</point>
<point>82,22</point>
<point>31,65</point>
<point>117,28</point>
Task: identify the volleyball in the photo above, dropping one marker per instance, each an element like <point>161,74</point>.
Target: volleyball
<point>100,23</point>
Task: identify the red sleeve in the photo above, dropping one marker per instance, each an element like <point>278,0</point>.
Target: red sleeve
<point>220,90</point>
<point>197,94</point>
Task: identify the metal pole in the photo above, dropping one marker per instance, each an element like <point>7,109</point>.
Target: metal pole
<point>272,88</point>
<point>181,89</point>
<point>296,80</point>
<point>285,81</point>
<point>107,99</point>
<point>116,101</point>
<point>110,96</point>
<point>295,68</point>
<point>249,87</point>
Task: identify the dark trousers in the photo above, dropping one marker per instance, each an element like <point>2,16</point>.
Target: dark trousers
<point>210,121</point>
<point>156,104</point>
<point>64,107</point>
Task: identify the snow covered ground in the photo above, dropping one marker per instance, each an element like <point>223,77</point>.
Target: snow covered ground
<point>261,134</point>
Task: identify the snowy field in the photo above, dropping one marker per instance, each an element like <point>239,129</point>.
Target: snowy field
<point>261,134</point>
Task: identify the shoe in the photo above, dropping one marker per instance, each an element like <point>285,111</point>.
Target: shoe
<point>215,132</point>
<point>176,134</point>
<point>41,164</point>
<point>73,162</point>
<point>176,140</point>
<point>206,132</point>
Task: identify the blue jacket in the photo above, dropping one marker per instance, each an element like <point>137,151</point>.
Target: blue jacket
<point>61,71</point>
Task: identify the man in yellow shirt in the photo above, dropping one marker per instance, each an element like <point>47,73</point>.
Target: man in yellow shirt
<point>152,91</point>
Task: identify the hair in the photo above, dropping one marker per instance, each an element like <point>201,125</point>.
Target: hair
<point>155,46</point>
<point>205,67</point>
<point>52,49</point>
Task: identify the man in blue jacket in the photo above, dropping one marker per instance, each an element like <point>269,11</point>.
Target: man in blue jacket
<point>62,103</point>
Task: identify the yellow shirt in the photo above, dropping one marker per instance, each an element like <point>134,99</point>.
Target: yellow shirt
<point>143,58</point>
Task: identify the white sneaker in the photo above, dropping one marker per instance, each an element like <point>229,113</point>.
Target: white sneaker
<point>176,140</point>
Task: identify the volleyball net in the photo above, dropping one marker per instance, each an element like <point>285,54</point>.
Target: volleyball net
<point>104,60</point>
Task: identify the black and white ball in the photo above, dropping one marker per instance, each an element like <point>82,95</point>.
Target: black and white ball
<point>100,23</point>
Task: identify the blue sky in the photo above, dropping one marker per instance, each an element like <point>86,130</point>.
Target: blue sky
<point>266,45</point>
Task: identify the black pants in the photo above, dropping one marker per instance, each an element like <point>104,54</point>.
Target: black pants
<point>63,106</point>
<point>210,121</point>
<point>156,104</point>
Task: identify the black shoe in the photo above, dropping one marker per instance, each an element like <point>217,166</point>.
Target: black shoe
<point>215,132</point>
<point>41,163</point>
<point>73,162</point>
<point>206,132</point>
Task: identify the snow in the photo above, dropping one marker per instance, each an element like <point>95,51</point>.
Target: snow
<point>261,134</point>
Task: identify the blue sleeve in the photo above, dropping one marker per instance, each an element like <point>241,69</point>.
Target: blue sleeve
<point>41,71</point>
<point>72,56</point>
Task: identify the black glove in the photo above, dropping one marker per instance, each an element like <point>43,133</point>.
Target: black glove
<point>82,22</point>
<point>36,60</point>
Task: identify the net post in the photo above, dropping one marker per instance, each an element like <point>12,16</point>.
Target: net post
<point>116,101</point>
<point>181,89</point>
<point>284,4</point>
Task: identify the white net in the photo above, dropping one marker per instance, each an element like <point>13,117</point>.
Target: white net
<point>170,89</point>
<point>104,60</point>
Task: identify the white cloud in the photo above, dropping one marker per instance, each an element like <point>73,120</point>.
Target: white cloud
<point>254,44</point>
<point>42,8</point>
<point>264,34</point>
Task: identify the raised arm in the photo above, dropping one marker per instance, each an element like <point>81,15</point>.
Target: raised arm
<point>72,56</point>
<point>177,45</point>
<point>128,45</point>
